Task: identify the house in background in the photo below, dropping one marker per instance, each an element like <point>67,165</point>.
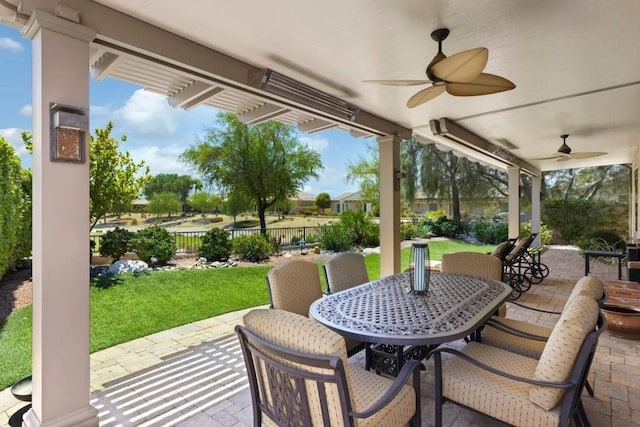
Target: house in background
<point>303,202</point>
<point>350,202</point>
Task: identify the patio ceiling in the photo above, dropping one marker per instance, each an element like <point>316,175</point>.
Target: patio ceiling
<point>575,64</point>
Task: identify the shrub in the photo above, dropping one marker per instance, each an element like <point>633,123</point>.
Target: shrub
<point>215,245</point>
<point>441,225</point>
<point>490,232</point>
<point>603,240</point>
<point>338,238</point>
<point>408,230</point>
<point>366,232</point>
<point>154,242</point>
<point>572,218</point>
<point>545,233</point>
<point>115,243</point>
<point>253,248</point>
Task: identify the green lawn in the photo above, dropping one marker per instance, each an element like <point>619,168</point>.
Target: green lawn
<point>130,306</point>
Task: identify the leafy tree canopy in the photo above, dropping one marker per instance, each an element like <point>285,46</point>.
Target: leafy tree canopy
<point>115,178</point>
<point>265,163</point>
<point>366,173</point>
<point>587,183</point>
<point>323,201</point>
<point>180,185</point>
<point>205,202</point>
<point>162,203</point>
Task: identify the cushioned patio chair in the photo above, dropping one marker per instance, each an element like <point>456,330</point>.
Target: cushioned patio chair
<point>520,390</point>
<point>293,286</point>
<point>345,270</point>
<point>530,339</point>
<point>474,264</point>
<point>299,375</point>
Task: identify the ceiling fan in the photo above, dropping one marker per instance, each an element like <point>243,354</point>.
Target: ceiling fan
<point>564,153</point>
<point>460,75</point>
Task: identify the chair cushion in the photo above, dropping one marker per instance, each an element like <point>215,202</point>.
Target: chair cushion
<point>496,396</point>
<point>498,251</point>
<point>526,347</point>
<point>294,286</point>
<point>367,388</point>
<point>587,285</point>
<point>559,355</point>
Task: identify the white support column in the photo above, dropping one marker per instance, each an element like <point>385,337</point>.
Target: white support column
<point>536,182</point>
<point>60,231</point>
<point>514,201</point>
<point>389,205</point>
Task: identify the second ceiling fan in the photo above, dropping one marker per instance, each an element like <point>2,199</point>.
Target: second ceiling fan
<point>460,75</point>
<point>565,154</point>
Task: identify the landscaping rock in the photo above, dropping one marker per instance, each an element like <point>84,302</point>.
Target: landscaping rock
<point>99,270</point>
<point>128,266</point>
<point>369,251</point>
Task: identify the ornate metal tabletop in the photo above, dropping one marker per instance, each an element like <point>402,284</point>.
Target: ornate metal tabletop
<point>385,311</point>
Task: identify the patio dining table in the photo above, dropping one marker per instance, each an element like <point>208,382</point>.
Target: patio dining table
<point>387,312</point>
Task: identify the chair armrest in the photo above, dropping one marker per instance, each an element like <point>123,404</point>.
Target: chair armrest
<point>410,367</point>
<point>495,323</point>
<point>495,371</point>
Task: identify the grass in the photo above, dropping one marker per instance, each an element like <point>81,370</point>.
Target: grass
<point>128,306</point>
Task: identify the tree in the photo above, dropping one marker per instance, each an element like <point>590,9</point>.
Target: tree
<point>205,202</point>
<point>587,183</point>
<point>15,209</point>
<point>445,175</point>
<point>323,201</point>
<point>181,186</point>
<point>164,203</point>
<point>265,163</point>
<point>115,178</point>
<point>366,173</point>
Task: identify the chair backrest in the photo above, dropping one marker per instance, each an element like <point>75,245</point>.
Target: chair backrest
<point>296,374</point>
<point>472,263</point>
<point>563,356</point>
<point>345,270</point>
<point>503,248</point>
<point>588,285</point>
<point>294,286</point>
<point>520,247</point>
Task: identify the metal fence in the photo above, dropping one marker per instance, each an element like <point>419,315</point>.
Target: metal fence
<point>190,241</point>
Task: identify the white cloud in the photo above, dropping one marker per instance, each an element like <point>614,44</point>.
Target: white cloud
<point>27,110</point>
<point>317,144</point>
<point>10,44</point>
<point>332,180</point>
<point>161,159</point>
<point>13,137</point>
<point>147,114</point>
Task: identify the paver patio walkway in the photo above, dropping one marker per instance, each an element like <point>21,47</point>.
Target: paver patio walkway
<point>193,375</point>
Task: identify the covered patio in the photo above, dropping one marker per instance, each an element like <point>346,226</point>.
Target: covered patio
<point>574,64</point>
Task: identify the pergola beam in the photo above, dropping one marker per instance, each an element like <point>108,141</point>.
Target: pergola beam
<point>193,95</point>
<point>261,114</point>
<point>315,125</point>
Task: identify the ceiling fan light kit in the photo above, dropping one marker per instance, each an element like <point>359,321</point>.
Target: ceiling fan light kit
<point>459,75</point>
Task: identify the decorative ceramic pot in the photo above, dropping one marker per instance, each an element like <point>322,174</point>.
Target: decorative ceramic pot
<point>623,322</point>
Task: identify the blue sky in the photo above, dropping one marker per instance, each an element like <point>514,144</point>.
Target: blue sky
<point>156,132</point>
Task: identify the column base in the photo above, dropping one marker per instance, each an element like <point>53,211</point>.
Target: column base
<point>86,417</point>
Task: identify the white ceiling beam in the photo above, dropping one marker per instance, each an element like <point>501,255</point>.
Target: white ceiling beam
<point>100,69</point>
<point>193,95</point>
<point>359,134</point>
<point>315,125</point>
<point>261,114</point>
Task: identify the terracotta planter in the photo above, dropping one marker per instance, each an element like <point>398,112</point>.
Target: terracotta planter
<point>623,322</point>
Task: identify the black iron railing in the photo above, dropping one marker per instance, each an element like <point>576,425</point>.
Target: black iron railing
<point>190,241</point>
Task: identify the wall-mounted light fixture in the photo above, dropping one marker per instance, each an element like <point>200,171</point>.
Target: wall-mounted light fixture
<point>398,175</point>
<point>68,129</point>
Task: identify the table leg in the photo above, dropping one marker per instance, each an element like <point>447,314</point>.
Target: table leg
<point>619,268</point>
<point>586,264</point>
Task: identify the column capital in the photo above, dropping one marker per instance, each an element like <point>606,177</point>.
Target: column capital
<point>389,138</point>
<point>40,20</point>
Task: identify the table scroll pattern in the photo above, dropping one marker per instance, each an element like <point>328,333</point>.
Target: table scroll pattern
<point>388,307</point>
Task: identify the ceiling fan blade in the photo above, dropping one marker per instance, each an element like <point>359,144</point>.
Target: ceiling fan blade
<point>484,84</point>
<point>555,156</point>
<point>424,95</point>
<point>462,67</point>
<point>587,154</point>
<point>398,82</point>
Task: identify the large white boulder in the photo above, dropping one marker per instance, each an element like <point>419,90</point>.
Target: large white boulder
<point>128,266</point>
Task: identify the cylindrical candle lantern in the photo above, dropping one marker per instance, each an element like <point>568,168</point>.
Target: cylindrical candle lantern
<point>420,272</point>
